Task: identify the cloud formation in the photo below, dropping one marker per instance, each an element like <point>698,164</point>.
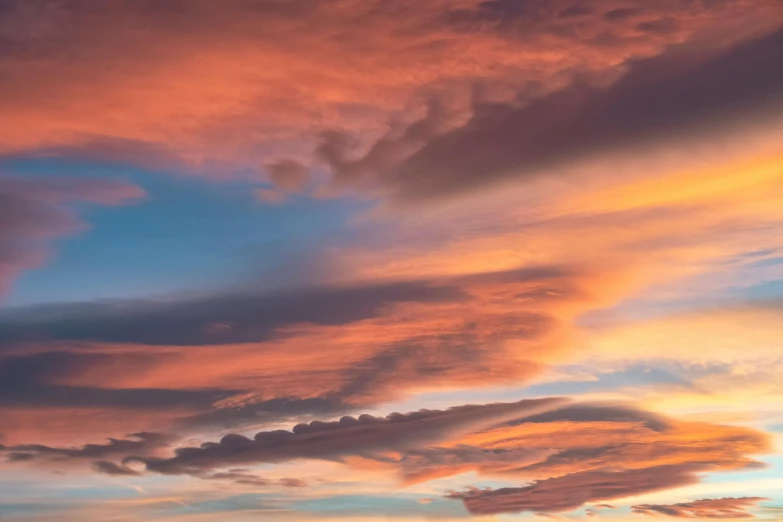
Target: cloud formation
<point>222,319</point>
<point>711,508</point>
<point>338,439</point>
<point>571,454</point>
<point>675,96</point>
<point>242,114</point>
<point>536,170</point>
<point>142,443</point>
<point>569,492</point>
<point>31,380</point>
<point>383,339</point>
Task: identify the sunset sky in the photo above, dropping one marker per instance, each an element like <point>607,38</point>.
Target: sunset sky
<point>391,260</point>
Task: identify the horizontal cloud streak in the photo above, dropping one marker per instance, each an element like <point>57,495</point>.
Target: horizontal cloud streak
<point>572,491</point>
<point>26,380</point>
<point>223,319</point>
<point>348,436</point>
<point>711,508</point>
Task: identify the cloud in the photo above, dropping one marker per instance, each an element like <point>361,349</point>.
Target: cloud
<point>126,83</point>
<point>288,175</point>
<point>569,492</point>
<point>438,99</point>
<point>292,482</point>
<point>672,97</point>
<point>143,443</point>
<point>240,477</point>
<point>583,437</point>
<point>33,212</point>
<point>270,196</point>
<point>519,453</point>
<point>220,319</point>
<point>376,341</point>
<point>570,455</point>
<point>338,439</point>
<point>237,477</point>
<point>115,470</point>
<point>434,462</point>
<point>711,508</point>
<point>586,412</point>
<point>30,380</point>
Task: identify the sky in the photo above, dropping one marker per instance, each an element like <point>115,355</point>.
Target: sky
<point>391,260</point>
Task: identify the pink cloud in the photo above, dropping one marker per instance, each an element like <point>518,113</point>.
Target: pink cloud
<point>711,508</point>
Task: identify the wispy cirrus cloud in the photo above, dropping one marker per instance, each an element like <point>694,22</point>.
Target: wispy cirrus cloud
<point>572,491</point>
<point>711,508</point>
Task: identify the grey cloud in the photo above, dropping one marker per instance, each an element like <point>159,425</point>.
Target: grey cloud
<point>592,412</point>
<point>38,378</point>
<point>143,443</point>
<point>291,482</point>
<point>222,319</point>
<point>243,317</point>
<point>26,380</point>
<point>575,11</point>
<point>243,478</point>
<point>660,26</point>
<point>711,508</point>
<point>279,409</point>
<point>115,470</point>
<point>237,476</point>
<point>364,435</point>
<point>422,464</point>
<point>622,14</point>
<point>679,93</point>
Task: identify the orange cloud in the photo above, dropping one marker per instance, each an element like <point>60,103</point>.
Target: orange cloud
<point>584,438</point>
<point>242,82</point>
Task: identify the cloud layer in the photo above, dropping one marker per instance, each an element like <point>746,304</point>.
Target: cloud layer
<point>569,492</point>
<point>527,199</point>
<point>711,508</point>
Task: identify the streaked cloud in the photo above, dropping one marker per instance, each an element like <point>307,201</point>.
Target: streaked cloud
<point>712,508</point>
<point>347,437</point>
<point>569,492</point>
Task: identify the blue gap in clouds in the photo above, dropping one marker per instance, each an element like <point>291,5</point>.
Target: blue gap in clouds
<point>404,504</point>
<point>189,234</point>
